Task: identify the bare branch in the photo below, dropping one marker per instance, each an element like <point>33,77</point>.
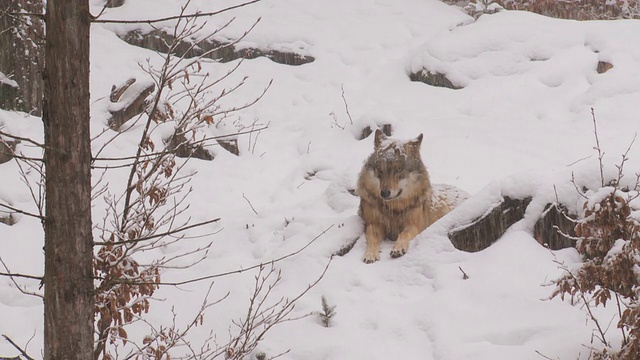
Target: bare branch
<point>582,295</point>
<point>176,17</point>
<point>575,185</point>
<point>620,167</point>
<point>545,356</point>
<point>29,140</point>
<point>170,232</point>
<point>16,210</point>
<point>238,271</point>
<point>24,353</point>
<point>12,277</point>
<point>38,199</point>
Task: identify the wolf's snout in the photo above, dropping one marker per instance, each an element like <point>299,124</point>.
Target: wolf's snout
<point>385,194</point>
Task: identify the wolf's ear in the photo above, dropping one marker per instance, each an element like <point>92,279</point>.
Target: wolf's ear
<point>379,138</point>
<point>416,142</point>
<point>413,145</point>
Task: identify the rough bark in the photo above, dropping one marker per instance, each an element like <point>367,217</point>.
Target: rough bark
<point>21,56</point>
<point>68,300</point>
<point>556,228</point>
<point>483,232</point>
<point>231,145</point>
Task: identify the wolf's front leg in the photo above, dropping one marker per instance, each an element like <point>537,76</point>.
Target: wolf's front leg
<point>402,245</point>
<point>374,234</point>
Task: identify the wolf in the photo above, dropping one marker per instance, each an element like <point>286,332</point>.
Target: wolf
<point>397,200</point>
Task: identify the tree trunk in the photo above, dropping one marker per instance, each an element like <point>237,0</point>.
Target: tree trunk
<point>68,301</point>
<point>21,56</point>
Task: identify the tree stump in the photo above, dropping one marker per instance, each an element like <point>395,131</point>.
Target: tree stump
<point>128,101</point>
<point>487,229</point>
<point>554,228</point>
<point>231,145</point>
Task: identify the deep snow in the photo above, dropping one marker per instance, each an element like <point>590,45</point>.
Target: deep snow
<point>520,126</point>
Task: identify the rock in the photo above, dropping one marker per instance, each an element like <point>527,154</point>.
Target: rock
<point>603,67</point>
<point>181,147</point>
<point>7,149</point>
<point>433,79</point>
<point>386,129</point>
<point>159,40</point>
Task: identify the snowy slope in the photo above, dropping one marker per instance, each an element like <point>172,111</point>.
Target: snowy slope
<point>520,125</point>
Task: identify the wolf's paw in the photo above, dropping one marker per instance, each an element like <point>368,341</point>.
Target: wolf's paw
<point>370,258</point>
<point>396,253</point>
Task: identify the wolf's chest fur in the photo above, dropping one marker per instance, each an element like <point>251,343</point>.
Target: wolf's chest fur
<point>396,216</point>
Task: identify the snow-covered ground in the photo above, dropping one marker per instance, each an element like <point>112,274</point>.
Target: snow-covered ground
<point>520,125</point>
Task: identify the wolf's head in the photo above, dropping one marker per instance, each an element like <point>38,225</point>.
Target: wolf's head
<point>395,168</point>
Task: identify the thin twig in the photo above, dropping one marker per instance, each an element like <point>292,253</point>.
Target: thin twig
<point>544,356</point>
<point>579,160</point>
<point>346,105</point>
<point>249,202</point>
<point>624,160</point>
<point>464,274</point>
<point>597,147</point>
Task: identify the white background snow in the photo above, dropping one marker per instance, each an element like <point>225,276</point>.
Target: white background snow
<point>520,126</point>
